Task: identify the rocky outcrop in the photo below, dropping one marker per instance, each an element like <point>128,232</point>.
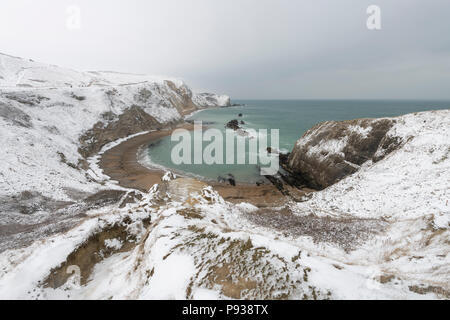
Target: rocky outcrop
<point>182,100</point>
<point>332,150</point>
<point>233,124</point>
<point>14,116</point>
<point>228,179</point>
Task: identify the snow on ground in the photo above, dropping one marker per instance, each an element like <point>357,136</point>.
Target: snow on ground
<point>181,239</point>
<point>26,73</point>
<point>211,100</point>
<point>411,182</point>
<point>197,245</point>
<point>45,109</point>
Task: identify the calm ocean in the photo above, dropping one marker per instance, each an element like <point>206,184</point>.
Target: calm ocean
<point>291,117</point>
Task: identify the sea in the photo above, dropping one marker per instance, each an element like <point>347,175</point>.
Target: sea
<point>292,118</point>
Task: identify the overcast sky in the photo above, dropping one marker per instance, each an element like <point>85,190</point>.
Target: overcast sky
<point>281,49</point>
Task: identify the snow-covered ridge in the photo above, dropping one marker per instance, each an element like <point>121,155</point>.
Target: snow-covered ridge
<point>26,73</point>
<point>409,182</point>
<point>22,73</point>
<point>45,109</point>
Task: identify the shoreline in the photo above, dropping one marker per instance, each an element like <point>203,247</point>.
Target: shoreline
<point>121,164</point>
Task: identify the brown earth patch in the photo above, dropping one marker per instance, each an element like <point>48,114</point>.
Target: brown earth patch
<point>430,289</point>
<point>131,121</point>
<point>91,252</point>
<point>347,233</point>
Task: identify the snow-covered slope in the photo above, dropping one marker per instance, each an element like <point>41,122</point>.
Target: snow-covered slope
<point>410,182</point>
<point>382,232</point>
<point>45,109</point>
<point>18,72</point>
<point>197,246</point>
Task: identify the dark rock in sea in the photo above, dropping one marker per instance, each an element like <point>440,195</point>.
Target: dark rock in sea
<point>332,150</point>
<point>221,179</point>
<point>233,124</point>
<point>242,122</point>
<point>240,115</point>
<point>154,143</point>
<point>259,183</point>
<point>271,150</point>
<point>231,179</point>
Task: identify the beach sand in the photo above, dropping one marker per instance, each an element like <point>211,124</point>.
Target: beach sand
<point>121,164</point>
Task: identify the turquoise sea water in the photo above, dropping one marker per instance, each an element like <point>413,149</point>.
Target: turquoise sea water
<point>291,117</point>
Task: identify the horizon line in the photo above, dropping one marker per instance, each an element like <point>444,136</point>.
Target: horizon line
<point>344,99</point>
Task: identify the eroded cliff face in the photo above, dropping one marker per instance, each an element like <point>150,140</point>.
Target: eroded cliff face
<point>131,121</point>
<point>332,150</point>
<point>182,99</point>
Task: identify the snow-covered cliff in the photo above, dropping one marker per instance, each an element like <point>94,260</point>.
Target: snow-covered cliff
<point>45,110</point>
<point>403,173</point>
<point>211,100</point>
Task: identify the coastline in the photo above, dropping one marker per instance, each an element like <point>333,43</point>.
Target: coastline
<point>121,163</point>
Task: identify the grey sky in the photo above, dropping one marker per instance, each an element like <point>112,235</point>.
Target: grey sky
<point>247,48</point>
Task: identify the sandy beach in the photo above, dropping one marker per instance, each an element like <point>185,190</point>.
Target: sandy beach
<point>122,165</point>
